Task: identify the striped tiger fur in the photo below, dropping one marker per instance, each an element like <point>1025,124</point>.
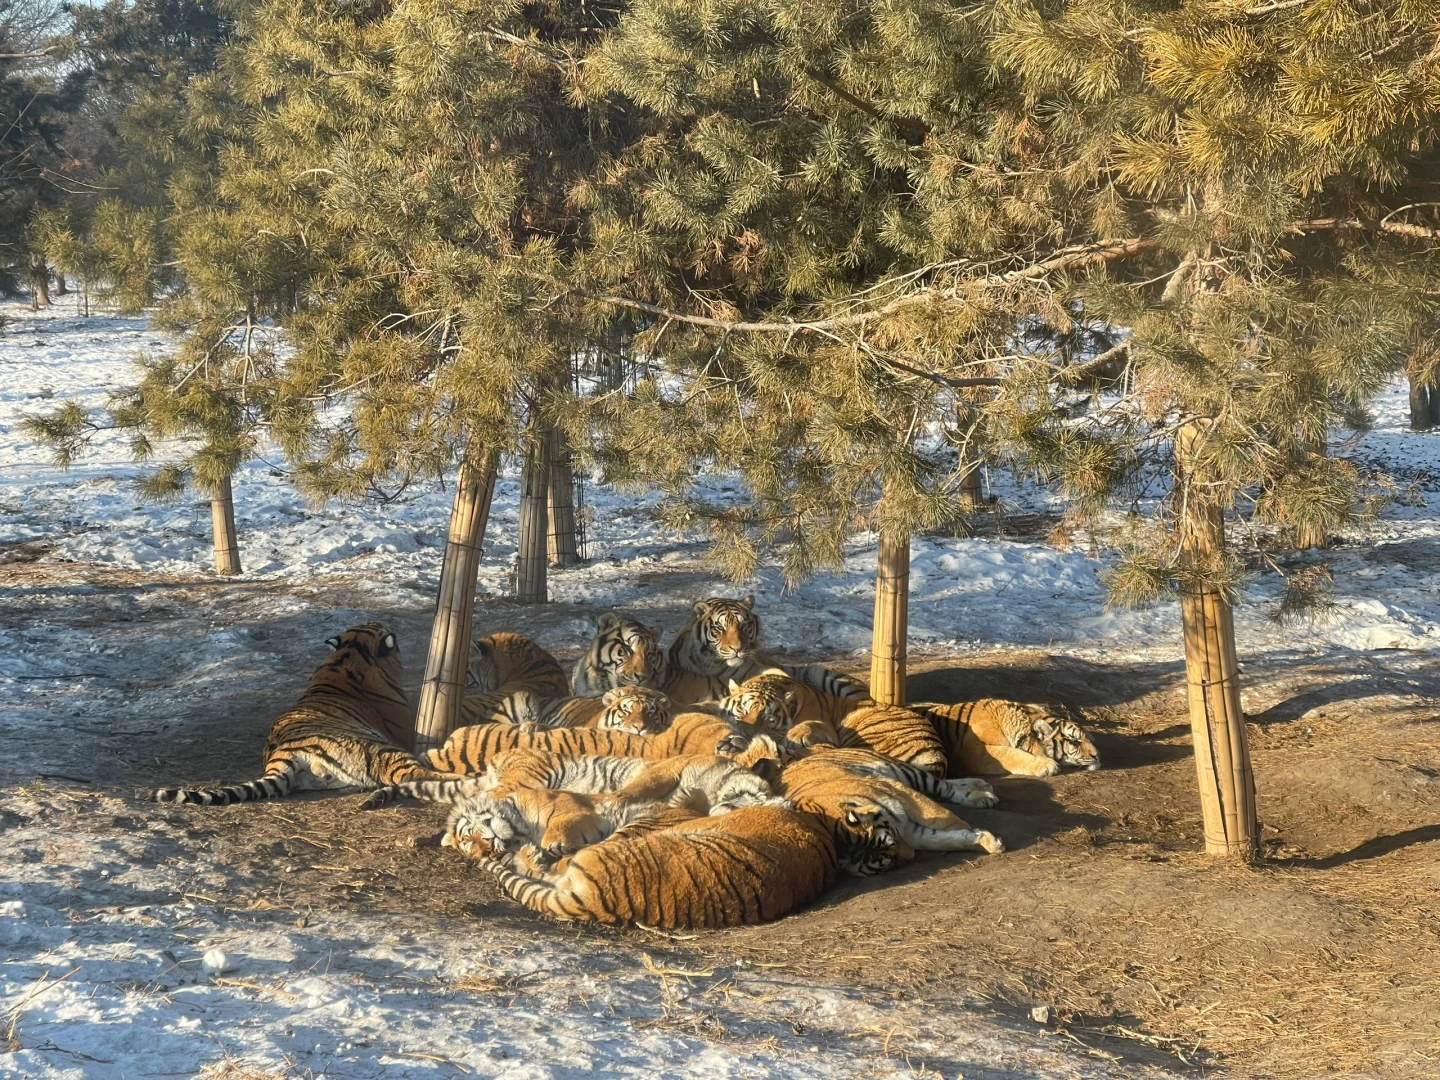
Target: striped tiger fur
<point>622,653</point>
<point>636,709</point>
<point>720,642</point>
<point>336,735</point>
<point>557,823</point>
<point>966,791</point>
<point>778,704</point>
<point>992,736</point>
<point>469,749</point>
<point>505,663</point>
<point>833,791</point>
<point>751,866</point>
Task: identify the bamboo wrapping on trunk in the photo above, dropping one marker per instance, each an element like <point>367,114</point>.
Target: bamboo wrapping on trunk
<point>448,658</point>
<point>560,542</point>
<point>889,629</point>
<point>222,528</point>
<point>1212,669</point>
<point>530,577</point>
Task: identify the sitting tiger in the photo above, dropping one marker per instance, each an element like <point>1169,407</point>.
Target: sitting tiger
<point>991,737</point>
<point>337,735</point>
<point>505,663</point>
<point>780,705</point>
<point>635,709</point>
<point>622,653</point>
<point>721,642</point>
<point>754,865</point>
<point>855,802</point>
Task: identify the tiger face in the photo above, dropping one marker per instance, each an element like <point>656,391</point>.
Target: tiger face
<point>629,652</point>
<point>635,709</point>
<point>767,702</point>
<point>741,788</point>
<point>1065,742</point>
<point>866,843</point>
<point>486,828</point>
<point>729,629</point>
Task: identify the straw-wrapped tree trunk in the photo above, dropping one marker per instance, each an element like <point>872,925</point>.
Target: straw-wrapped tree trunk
<point>222,525</point>
<point>1217,722</point>
<point>449,655</point>
<point>1424,404</point>
<point>889,628</point>
<point>531,560</point>
<point>560,542</point>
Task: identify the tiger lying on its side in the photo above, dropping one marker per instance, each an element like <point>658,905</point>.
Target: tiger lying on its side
<point>751,866</point>
<point>636,709</point>
<point>336,735</point>
<point>790,710</point>
<point>855,804</point>
<point>721,641</point>
<point>992,736</point>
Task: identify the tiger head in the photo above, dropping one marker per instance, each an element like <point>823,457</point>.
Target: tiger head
<point>1063,740</point>
<point>366,659</point>
<point>767,701</point>
<point>627,652</point>
<point>866,843</point>
<point>730,786</point>
<point>486,828</point>
<point>727,630</point>
<point>635,709</point>
<point>499,658</point>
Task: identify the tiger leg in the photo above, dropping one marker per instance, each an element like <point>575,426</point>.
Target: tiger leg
<point>813,733</point>
<point>566,834</point>
<point>978,759</point>
<point>928,826</point>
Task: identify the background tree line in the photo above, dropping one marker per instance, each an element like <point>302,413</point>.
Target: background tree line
<point>1151,253</point>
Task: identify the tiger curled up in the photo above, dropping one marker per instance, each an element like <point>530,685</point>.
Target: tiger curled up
<point>340,734</point>
<point>992,737</point>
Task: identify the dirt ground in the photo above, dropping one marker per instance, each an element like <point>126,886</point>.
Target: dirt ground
<point>1322,960</point>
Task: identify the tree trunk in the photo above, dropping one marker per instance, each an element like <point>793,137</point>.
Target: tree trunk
<point>222,524</point>
<point>972,495</point>
<point>1422,405</point>
<point>530,583</point>
<point>1217,722</point>
<point>1310,535</point>
<point>446,662</point>
<point>39,283</point>
<point>60,289</point>
<point>561,539</point>
<point>888,630</point>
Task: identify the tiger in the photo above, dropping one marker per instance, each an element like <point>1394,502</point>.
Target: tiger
<point>780,705</point>
<point>505,663</point>
<point>622,653</point>
<point>960,791</point>
<point>751,866</point>
<point>338,733</point>
<point>992,736</point>
<point>556,823</point>
<point>849,802</point>
<point>636,709</point>
<point>721,641</point>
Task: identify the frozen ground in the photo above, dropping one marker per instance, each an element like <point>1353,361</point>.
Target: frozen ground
<point>107,907</point>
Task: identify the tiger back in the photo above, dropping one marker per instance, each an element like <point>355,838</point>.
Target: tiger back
<point>622,653</point>
<point>896,732</point>
<point>750,866</point>
<point>340,734</point>
<point>505,663</point>
<point>993,736</point>
<point>636,709</point>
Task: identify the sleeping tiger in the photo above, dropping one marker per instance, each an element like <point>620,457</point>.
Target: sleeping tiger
<point>556,823</point>
<point>754,865</point>
<point>851,801</point>
<point>336,735</point>
<point>636,709</point>
<point>787,709</point>
<point>992,736</point>
<point>505,663</point>
<point>622,653</point>
<point>720,642</point>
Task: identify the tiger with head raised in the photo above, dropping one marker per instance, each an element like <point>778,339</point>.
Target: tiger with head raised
<point>505,663</point>
<point>622,653</point>
<point>720,642</point>
<point>750,866</point>
<point>992,736</point>
<point>636,709</point>
<point>340,734</point>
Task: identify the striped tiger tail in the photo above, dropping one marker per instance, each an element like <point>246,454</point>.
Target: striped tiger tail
<point>442,791</point>
<point>548,897</point>
<point>275,784</point>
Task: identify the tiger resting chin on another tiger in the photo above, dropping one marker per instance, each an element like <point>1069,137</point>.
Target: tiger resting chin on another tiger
<point>337,735</point>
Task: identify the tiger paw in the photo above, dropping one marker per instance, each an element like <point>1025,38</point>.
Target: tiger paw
<point>989,841</point>
<point>379,797</point>
<point>732,745</point>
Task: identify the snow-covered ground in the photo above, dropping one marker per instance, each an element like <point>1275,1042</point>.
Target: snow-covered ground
<point>106,914</point>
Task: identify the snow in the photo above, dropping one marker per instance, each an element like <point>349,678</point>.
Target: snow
<point>117,965</point>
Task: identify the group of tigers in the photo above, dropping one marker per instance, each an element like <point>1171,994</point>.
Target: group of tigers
<point>696,786</point>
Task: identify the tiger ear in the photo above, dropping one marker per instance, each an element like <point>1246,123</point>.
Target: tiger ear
<point>748,602</point>
<point>734,687</point>
<point>480,647</point>
<point>768,769</point>
<point>333,642</point>
<point>1041,728</point>
<point>608,621</point>
<point>611,696</point>
<point>699,608</point>
<point>387,644</point>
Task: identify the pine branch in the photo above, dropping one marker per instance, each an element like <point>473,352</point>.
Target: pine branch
<point>1399,228</point>
<point>908,123</point>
